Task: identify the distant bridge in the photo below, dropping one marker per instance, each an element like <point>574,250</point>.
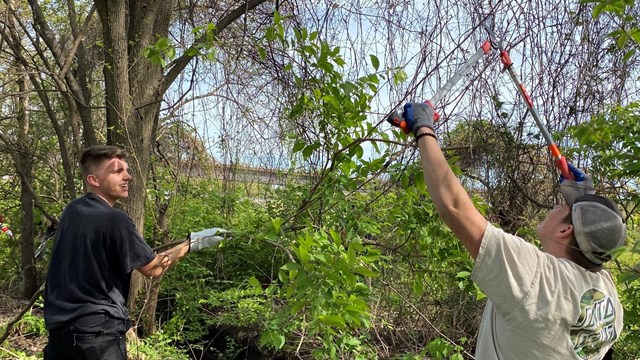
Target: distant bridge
<point>248,174</point>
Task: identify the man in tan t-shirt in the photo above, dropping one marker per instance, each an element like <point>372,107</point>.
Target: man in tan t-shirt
<point>554,303</point>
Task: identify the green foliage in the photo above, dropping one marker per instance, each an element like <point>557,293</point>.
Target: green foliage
<point>324,292</point>
<point>16,354</point>
<point>235,307</point>
<point>31,325</point>
<point>326,284</point>
<point>195,205</point>
<point>205,42</point>
<point>163,51</point>
<point>158,346</point>
<point>627,37</point>
<point>160,53</point>
<point>441,349</point>
<point>611,140</point>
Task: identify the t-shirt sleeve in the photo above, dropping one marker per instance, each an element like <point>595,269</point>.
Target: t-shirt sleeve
<point>131,249</point>
<point>506,268</point>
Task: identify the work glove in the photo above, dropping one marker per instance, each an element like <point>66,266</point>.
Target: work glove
<point>572,189</point>
<point>418,115</point>
<point>205,238</point>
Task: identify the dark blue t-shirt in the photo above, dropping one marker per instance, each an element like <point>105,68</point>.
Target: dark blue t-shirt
<point>96,248</point>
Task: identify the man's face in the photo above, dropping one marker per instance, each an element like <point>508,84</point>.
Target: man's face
<point>112,180</point>
<point>553,223</point>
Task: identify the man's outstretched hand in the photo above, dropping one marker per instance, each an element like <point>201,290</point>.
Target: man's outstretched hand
<point>572,189</point>
<point>205,238</point>
<point>418,115</point>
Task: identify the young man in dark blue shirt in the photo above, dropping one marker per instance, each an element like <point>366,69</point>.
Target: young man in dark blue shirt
<point>96,249</point>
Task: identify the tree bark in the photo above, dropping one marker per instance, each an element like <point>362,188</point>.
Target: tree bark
<point>133,92</point>
<point>24,164</point>
<point>134,88</point>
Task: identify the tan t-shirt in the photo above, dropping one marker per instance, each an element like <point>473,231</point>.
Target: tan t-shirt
<point>541,306</point>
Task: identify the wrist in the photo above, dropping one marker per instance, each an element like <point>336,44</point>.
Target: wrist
<point>420,127</point>
<point>424,129</point>
<point>425,132</point>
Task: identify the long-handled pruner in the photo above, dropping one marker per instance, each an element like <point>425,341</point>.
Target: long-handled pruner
<point>560,161</point>
<point>396,118</point>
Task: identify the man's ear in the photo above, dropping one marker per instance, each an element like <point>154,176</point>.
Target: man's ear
<point>566,230</point>
<point>93,180</point>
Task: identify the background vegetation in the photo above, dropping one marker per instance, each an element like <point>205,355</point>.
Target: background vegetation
<point>267,118</point>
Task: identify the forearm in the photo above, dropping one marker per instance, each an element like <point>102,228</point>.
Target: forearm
<point>164,260</point>
<point>449,197</point>
<point>176,253</point>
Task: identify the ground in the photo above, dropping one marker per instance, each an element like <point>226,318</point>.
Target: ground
<point>24,338</point>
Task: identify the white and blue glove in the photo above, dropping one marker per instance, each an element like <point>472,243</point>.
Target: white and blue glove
<point>206,238</point>
<point>572,189</point>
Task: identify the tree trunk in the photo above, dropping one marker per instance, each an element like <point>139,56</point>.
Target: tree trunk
<point>24,165</point>
<point>133,92</point>
<point>160,231</point>
<point>134,87</point>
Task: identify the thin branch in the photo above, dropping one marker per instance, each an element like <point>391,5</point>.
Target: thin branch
<point>178,65</point>
<point>19,316</point>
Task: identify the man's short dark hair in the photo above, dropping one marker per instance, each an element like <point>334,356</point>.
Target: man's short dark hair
<point>92,157</point>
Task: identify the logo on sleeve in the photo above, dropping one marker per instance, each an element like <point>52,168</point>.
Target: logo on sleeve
<point>595,327</point>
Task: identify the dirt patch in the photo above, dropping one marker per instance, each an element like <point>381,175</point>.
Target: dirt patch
<point>26,337</point>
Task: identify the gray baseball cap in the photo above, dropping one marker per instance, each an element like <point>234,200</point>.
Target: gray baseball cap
<point>598,227</point>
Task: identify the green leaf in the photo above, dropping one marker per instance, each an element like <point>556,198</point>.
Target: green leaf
<point>291,266</point>
<point>362,270</point>
<point>348,87</point>
<point>309,149</point>
<point>283,277</point>
<point>375,62</point>
<point>597,10</point>
<point>418,287</point>
<point>331,99</point>
<point>299,145</point>
<point>358,151</point>
<point>399,76</point>
<point>257,287</point>
<point>303,255</point>
<point>277,223</point>
<point>162,42</point>
<point>273,339</point>
<point>635,34</point>
<point>262,52</point>
<point>628,277</point>
<point>191,51</point>
<point>296,307</point>
<point>351,255</point>
<point>254,282</point>
<point>622,40</point>
<point>352,341</point>
<point>370,257</point>
<point>335,237</point>
<point>332,320</point>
